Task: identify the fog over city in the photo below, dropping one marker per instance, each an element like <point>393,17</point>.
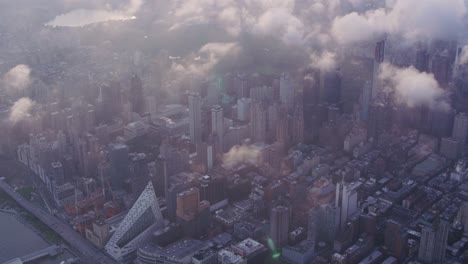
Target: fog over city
<point>234,131</point>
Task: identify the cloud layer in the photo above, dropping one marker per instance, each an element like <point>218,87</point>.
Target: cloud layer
<point>412,20</point>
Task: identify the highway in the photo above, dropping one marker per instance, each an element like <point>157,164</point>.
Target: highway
<point>88,253</point>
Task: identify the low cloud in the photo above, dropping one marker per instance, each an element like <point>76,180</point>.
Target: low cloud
<point>21,110</point>
<point>413,88</point>
<point>245,154</point>
<point>411,20</point>
<point>463,56</point>
<point>17,79</point>
<point>325,61</point>
<point>83,17</point>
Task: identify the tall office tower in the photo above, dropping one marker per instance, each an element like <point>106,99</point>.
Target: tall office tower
<point>311,88</point>
<point>136,94</point>
<point>460,128</point>
<point>442,122</point>
<point>282,127</point>
<point>217,127</point>
<point>195,118</point>
<point>365,101</point>
<point>327,221</point>
<point>90,119</point>
<point>258,121</point>
<point>272,121</point>
<point>462,216</point>
<point>312,225</point>
<point>119,165</point>
<point>214,91</point>
<point>188,203</point>
<point>441,68</point>
<point>433,242</point>
<point>240,83</point>
<point>422,60</point>
<point>192,215</point>
<point>298,125</point>
<point>213,188</point>
<point>262,93</point>
<point>57,172</point>
<point>138,226</point>
<point>287,90</point>
<point>243,109</point>
<point>395,239</point>
<point>378,60</point>
<point>279,226</point>
<point>346,201</point>
<point>380,120</point>
<point>330,87</point>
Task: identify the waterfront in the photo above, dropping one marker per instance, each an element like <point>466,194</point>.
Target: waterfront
<point>17,238</point>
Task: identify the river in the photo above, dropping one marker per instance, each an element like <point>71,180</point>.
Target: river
<point>16,239</point>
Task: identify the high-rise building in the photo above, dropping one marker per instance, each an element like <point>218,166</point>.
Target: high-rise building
<point>365,101</point>
<point>192,215</point>
<point>137,97</point>
<point>240,83</point>
<point>434,242</point>
<point>279,222</point>
<point>346,201</point>
<point>330,87</point>
<point>441,68</point>
<point>327,221</point>
<point>258,121</point>
<point>287,90</point>
<point>243,109</point>
<point>298,125</point>
<point>395,239</point>
<point>460,128</point>
<point>119,165</point>
<point>217,127</point>
<point>195,118</point>
<point>188,203</point>
<point>143,219</point>
<point>422,60</point>
<point>282,127</point>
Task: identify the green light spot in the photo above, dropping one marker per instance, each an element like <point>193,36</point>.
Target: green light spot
<point>276,255</point>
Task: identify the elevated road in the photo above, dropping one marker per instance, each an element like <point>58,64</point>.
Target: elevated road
<point>88,253</point>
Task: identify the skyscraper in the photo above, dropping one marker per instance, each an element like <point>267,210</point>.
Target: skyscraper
<point>298,125</point>
<point>243,109</point>
<point>441,68</point>
<point>287,90</point>
<point>279,222</point>
<point>217,127</point>
<point>378,60</point>
<point>433,242</point>
<point>137,97</point>
<point>258,121</point>
<point>346,201</point>
<point>119,165</point>
<point>137,227</point>
<point>460,128</point>
<point>195,117</point>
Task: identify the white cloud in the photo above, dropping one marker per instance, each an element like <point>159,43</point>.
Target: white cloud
<point>241,154</point>
<point>412,20</point>
<point>17,79</point>
<point>325,61</point>
<point>20,110</point>
<point>412,87</point>
<point>83,17</point>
